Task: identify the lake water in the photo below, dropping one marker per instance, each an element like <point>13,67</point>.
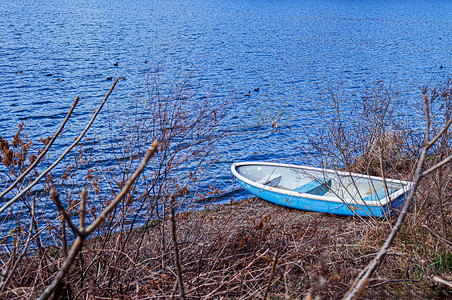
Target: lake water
<point>288,49</point>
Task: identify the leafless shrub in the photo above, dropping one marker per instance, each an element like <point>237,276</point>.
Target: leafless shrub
<point>375,140</point>
<point>366,135</point>
<point>187,133</point>
<point>249,249</point>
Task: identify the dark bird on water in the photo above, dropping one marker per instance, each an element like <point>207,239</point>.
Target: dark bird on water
<point>249,94</point>
<point>19,72</point>
<point>109,78</point>
<point>59,79</point>
<point>256,89</point>
<point>48,74</point>
<point>116,64</point>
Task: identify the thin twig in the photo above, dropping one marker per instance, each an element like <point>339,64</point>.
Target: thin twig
<point>275,260</point>
<point>235,276</point>
<point>83,197</point>
<point>176,249</point>
<point>446,241</point>
<point>65,217</point>
<point>438,165</point>
<point>445,128</point>
<point>393,280</point>
<point>360,285</point>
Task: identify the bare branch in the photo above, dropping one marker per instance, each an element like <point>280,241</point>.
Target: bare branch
<point>445,128</point>
<point>360,285</point>
<point>150,152</point>
<point>437,166</point>
<point>83,197</point>
<point>362,282</point>
<point>441,280</point>
<point>75,249</point>
<point>56,200</point>
<point>5,206</point>
<point>176,249</point>
<point>272,272</point>
<point>445,241</point>
<point>77,246</point>
<point>43,152</point>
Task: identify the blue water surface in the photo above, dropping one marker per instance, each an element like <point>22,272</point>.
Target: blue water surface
<point>290,50</point>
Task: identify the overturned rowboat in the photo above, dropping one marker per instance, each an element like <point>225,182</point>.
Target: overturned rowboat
<point>322,190</point>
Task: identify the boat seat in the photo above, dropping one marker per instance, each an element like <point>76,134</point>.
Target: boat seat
<point>315,187</point>
<point>379,194</point>
<point>272,180</point>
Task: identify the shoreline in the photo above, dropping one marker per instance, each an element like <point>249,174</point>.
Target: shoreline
<point>318,254</point>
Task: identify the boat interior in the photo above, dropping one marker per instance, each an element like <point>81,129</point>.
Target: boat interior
<point>320,182</point>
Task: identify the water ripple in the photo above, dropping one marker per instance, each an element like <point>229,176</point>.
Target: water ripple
<point>287,49</point>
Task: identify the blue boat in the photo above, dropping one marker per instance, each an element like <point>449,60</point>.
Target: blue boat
<point>322,190</point>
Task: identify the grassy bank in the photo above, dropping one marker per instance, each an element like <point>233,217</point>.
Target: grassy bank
<point>229,252</point>
<point>238,250</point>
<point>88,244</point>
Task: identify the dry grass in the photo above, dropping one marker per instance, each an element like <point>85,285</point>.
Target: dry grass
<point>227,251</point>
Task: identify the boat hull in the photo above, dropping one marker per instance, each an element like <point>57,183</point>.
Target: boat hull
<point>307,202</point>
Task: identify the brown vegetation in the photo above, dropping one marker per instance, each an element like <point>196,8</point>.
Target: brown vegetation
<point>248,249</point>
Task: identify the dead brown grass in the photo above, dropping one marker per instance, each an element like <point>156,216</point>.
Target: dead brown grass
<point>227,252</point>
<point>244,250</point>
